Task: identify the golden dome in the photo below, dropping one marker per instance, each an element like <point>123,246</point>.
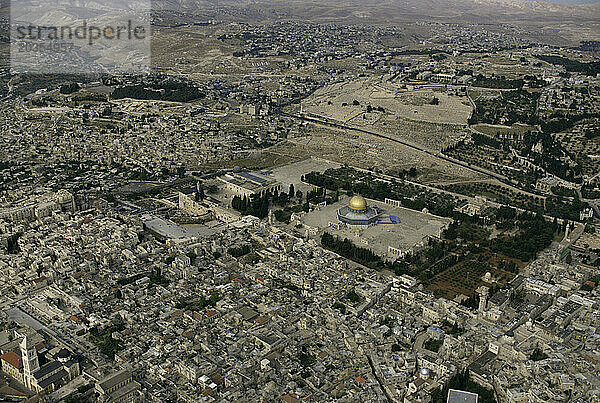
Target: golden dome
<point>358,203</point>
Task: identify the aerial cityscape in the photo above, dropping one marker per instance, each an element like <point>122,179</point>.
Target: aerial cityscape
<point>297,201</point>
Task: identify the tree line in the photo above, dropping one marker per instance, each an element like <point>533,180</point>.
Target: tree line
<point>345,248</point>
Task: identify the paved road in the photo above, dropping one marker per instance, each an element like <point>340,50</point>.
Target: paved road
<point>504,180</point>
<point>374,372</point>
<point>16,314</point>
<point>22,317</point>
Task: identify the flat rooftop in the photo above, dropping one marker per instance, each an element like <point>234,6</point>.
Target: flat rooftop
<point>459,396</point>
<point>248,180</point>
<point>171,230</point>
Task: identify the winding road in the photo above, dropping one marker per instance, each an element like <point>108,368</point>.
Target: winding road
<point>440,156</point>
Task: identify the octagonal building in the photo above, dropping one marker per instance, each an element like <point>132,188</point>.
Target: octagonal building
<point>358,214</point>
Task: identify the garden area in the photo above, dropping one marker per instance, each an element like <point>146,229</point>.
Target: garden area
<point>466,276</point>
<point>506,108</point>
<point>102,338</point>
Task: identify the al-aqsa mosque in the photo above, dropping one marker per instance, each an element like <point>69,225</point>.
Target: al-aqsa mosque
<point>358,213</point>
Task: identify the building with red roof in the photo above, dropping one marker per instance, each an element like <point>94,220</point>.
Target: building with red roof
<point>12,365</point>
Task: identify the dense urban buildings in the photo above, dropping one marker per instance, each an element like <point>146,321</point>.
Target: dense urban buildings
<point>349,202</point>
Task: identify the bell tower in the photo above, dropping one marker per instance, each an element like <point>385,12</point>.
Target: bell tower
<point>30,360</point>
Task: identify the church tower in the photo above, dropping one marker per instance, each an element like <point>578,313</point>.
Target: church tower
<point>30,360</point>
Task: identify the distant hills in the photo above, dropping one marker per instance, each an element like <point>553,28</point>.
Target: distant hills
<point>575,1</point>
<point>370,11</point>
<point>397,10</point>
